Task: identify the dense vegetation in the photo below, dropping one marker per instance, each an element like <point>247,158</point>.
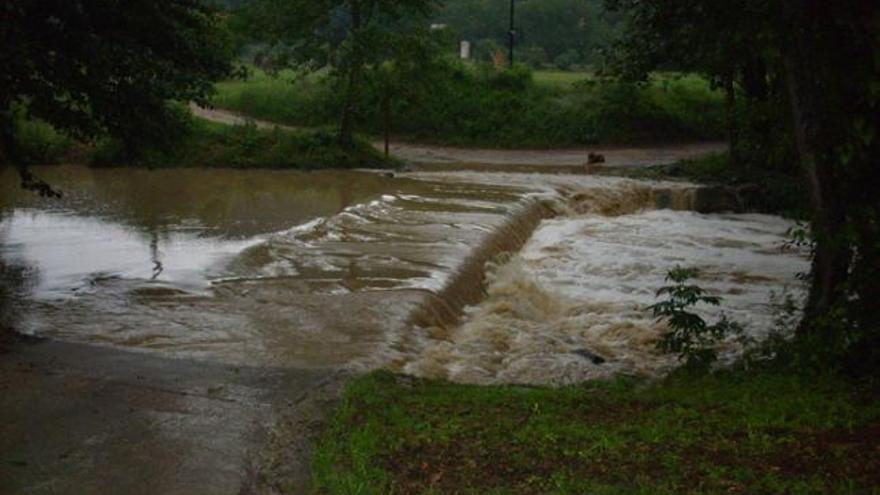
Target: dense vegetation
<point>91,68</point>
<point>480,105</point>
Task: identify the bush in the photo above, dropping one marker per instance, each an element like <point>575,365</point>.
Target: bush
<point>39,143</point>
<point>689,336</point>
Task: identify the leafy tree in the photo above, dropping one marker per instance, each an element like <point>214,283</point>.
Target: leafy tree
<point>350,39</point>
<point>94,66</point>
<point>819,61</point>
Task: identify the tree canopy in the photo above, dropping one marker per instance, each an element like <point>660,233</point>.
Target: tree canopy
<point>99,66</point>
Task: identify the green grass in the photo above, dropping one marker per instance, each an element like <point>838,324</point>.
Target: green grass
<point>216,145</point>
<point>734,432</point>
<point>478,106</point>
<point>283,98</point>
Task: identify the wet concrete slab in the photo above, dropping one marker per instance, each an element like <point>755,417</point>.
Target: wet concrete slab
<point>82,419</point>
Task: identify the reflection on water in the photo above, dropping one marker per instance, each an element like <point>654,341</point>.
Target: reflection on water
<point>357,269</point>
<point>74,253</point>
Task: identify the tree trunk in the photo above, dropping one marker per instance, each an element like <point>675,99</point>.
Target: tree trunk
<point>832,256</point>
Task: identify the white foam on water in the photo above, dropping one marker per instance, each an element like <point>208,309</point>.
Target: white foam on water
<point>584,282</point>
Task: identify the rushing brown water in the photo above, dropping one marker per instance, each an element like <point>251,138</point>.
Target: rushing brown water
<point>361,270</point>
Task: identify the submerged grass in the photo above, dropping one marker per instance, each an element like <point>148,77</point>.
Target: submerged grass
<point>732,432</point>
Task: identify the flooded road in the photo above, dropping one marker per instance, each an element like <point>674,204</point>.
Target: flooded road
<point>259,268</point>
<point>359,270</point>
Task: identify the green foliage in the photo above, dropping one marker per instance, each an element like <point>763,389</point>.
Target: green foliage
<point>689,335</point>
<point>88,67</point>
<point>748,432</point>
<point>39,143</point>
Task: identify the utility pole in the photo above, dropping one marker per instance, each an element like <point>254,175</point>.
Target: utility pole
<point>512,32</point>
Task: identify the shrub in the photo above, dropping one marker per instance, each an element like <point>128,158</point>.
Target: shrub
<point>689,335</point>
<point>39,143</point>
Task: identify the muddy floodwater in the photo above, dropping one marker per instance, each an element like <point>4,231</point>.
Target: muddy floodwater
<point>472,276</point>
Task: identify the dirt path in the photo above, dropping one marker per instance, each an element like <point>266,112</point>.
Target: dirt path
<point>444,156</point>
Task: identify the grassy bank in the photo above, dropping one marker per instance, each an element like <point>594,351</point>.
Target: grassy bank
<point>481,106</point>
<point>207,144</point>
<point>204,144</point>
<point>734,432</point>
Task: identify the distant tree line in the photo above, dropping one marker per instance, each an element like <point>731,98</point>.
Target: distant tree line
<point>557,33</point>
<point>549,33</point>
